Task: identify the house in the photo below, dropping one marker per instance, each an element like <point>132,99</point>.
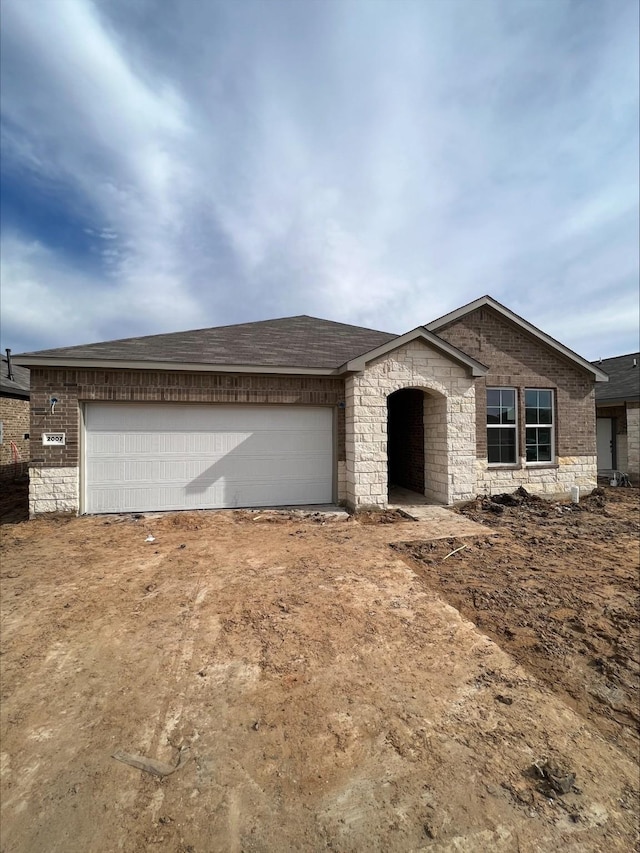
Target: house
<point>618,416</point>
<point>307,411</point>
<point>14,419</point>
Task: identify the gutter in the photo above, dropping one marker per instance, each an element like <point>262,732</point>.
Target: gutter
<point>33,361</point>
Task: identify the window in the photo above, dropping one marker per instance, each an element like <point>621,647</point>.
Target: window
<point>538,425</point>
<point>502,432</point>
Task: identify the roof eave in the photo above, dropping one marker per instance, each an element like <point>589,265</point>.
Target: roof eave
<point>355,365</point>
<point>14,393</point>
<point>617,400</point>
<point>181,366</point>
<point>599,375</point>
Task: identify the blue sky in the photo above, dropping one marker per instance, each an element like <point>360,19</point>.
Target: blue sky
<point>178,165</point>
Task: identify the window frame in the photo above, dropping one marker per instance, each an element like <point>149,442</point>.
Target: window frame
<point>514,426</point>
<point>551,427</point>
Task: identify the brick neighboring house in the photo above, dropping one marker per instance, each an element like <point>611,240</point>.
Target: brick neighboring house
<point>618,416</point>
<point>14,420</point>
<point>301,410</point>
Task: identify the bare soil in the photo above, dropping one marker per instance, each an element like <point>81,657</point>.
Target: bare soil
<point>559,591</point>
<point>14,500</point>
<point>328,695</point>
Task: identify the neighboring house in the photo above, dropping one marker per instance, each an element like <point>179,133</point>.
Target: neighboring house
<point>14,419</point>
<point>304,411</point>
<point>618,416</point>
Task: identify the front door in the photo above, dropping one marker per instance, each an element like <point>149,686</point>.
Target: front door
<point>604,436</point>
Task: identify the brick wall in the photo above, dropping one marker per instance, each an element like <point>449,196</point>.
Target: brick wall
<point>516,359</point>
<point>73,387</point>
<point>14,414</point>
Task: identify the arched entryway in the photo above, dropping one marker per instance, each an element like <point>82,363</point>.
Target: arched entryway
<point>417,454</point>
<point>405,440</point>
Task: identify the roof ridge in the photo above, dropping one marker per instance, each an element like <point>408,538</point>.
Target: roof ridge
<point>300,341</point>
<point>209,329</point>
<point>633,354</point>
<point>166,334</point>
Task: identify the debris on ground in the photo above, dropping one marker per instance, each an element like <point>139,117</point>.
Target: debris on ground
<point>553,779</point>
<point>382,516</point>
<point>534,504</point>
<point>150,765</point>
<point>455,551</point>
<point>332,692</point>
<point>559,590</point>
<point>284,516</point>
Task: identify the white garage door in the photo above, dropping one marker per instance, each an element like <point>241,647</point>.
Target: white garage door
<point>141,457</point>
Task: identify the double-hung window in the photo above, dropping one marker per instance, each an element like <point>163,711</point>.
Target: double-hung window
<point>502,429</point>
<point>538,425</point>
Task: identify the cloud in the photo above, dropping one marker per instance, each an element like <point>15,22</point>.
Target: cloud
<point>372,163</point>
<point>48,300</point>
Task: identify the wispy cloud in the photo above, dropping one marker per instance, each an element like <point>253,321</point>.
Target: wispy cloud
<point>377,163</point>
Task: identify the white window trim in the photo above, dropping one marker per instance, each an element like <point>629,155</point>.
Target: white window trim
<point>552,425</point>
<point>516,462</point>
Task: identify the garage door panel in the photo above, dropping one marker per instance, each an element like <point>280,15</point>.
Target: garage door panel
<point>194,418</point>
<point>143,457</point>
<point>151,444</point>
<point>183,472</point>
<point>220,495</point>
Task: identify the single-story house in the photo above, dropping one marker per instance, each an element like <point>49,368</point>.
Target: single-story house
<point>618,416</point>
<point>14,419</point>
<point>306,411</point>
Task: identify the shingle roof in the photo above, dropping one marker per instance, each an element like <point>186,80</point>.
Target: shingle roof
<point>19,386</point>
<point>624,378</point>
<point>305,342</point>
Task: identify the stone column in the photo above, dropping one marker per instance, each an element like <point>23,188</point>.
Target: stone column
<point>366,444</point>
<point>633,441</point>
<point>461,445</point>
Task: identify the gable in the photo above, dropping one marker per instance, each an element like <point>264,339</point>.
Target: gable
<point>531,331</point>
<point>421,337</point>
<point>509,350</point>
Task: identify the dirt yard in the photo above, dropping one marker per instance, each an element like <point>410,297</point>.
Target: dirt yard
<point>14,500</point>
<point>324,689</point>
<point>559,591</point>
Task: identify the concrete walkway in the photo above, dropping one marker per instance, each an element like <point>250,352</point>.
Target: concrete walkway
<point>443,522</point>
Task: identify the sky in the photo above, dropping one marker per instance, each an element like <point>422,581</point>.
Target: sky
<point>186,164</point>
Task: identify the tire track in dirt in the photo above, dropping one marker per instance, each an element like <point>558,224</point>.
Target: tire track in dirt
<point>158,736</point>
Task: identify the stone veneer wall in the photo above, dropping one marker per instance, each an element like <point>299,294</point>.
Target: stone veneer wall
<point>449,425</point>
<point>570,471</point>
<point>53,490</point>
<point>54,471</point>
<point>633,442</point>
